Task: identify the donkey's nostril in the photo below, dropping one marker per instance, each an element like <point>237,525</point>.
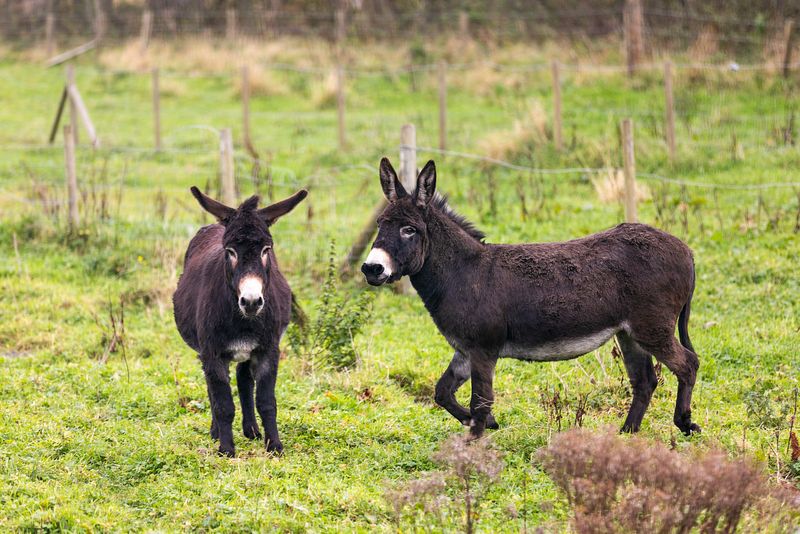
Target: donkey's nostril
<point>372,269</point>
<point>251,305</point>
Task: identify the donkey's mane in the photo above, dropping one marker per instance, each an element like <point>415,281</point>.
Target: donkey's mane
<point>440,203</point>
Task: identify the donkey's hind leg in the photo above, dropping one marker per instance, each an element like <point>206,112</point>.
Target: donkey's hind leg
<point>639,365</point>
<point>453,378</point>
<point>684,364</point>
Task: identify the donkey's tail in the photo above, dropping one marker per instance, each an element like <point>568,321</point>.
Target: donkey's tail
<point>298,316</point>
<point>683,319</point>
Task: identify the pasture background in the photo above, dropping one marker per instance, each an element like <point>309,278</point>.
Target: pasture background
<point>123,443</point>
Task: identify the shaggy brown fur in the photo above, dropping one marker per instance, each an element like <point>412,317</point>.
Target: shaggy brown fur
<point>538,302</point>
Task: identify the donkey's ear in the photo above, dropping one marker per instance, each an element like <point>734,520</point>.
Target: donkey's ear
<point>272,212</point>
<point>426,185</point>
<point>392,188</point>
<point>217,209</point>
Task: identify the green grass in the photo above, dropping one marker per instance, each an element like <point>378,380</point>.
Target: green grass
<point>123,445</point>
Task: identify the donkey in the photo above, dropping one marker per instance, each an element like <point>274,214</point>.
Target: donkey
<point>233,304</point>
<point>537,302</point>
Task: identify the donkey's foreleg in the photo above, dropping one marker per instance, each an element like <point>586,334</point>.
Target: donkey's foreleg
<point>265,372</point>
<point>456,374</point>
<point>482,373</point>
<point>219,393</point>
<point>244,382</point>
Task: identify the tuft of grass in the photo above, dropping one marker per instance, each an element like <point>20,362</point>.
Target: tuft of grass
<point>610,187</point>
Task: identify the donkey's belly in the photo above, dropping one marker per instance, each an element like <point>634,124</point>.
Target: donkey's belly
<point>559,349</point>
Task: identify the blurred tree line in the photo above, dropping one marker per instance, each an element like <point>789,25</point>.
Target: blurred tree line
<point>23,20</point>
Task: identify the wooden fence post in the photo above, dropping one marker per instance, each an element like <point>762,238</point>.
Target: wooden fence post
<point>230,24</point>
<point>226,166</point>
<point>557,106</point>
<point>633,20</point>
<point>463,24</point>
<point>341,27</point>
<point>73,111</point>
<point>72,178</point>
<point>669,104</point>
<point>788,40</point>
<point>408,177</point>
<point>340,106</point>
<point>49,27</point>
<point>100,22</point>
<point>146,30</point>
<point>245,92</point>
<point>442,105</point>
<point>630,170</point>
<point>156,110</point>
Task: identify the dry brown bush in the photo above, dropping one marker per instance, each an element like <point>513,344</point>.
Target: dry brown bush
<point>633,485</point>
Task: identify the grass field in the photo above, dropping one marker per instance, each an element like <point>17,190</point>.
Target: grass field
<point>119,441</point>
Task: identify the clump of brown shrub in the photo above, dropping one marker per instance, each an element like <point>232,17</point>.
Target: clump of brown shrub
<point>633,485</point>
<point>469,469</point>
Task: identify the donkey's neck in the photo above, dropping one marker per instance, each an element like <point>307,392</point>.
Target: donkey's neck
<point>451,252</point>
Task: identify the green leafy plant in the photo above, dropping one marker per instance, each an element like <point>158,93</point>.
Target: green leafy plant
<point>340,317</point>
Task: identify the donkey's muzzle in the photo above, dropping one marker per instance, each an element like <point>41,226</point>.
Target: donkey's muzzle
<point>374,273</point>
<point>250,306</point>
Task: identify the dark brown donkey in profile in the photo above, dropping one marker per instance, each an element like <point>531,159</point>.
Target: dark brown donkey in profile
<point>538,302</point>
<point>233,304</point>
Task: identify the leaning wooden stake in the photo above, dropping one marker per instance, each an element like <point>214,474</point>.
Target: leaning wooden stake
<point>72,179</point>
<point>788,42</point>
<point>669,105</point>
<point>362,241</point>
<point>226,167</point>
<point>442,105</point>
<point>83,113</point>
<point>340,106</point>
<point>73,111</point>
<point>557,106</point>
<point>630,170</point>
<point>156,110</point>
<point>69,54</point>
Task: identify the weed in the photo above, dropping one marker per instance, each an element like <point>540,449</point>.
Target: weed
<point>618,485</point>
<point>340,317</point>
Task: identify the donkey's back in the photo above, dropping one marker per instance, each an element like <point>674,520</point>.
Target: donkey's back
<point>562,300</point>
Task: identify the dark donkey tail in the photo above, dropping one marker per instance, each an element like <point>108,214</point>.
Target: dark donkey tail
<point>683,319</point>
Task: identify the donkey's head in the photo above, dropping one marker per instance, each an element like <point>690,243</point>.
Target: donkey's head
<point>402,243</point>
<point>248,243</point>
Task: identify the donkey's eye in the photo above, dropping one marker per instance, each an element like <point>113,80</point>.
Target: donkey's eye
<point>231,254</point>
<point>408,231</point>
<point>265,251</point>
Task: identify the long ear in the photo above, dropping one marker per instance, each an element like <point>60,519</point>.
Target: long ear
<point>426,184</point>
<point>272,212</point>
<point>217,209</point>
<point>392,188</point>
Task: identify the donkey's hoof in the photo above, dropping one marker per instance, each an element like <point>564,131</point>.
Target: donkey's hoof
<point>274,446</point>
<point>693,428</point>
<point>251,431</point>
<point>230,452</point>
<point>492,423</point>
<point>214,432</point>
